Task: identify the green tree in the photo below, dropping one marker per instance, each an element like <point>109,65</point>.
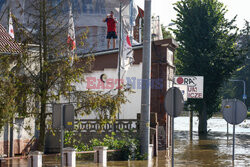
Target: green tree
<point>47,75</point>
<point>207,48</point>
<point>8,90</point>
<point>165,33</point>
<point>236,89</point>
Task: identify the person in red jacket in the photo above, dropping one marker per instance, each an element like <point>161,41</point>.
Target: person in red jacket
<point>111,32</point>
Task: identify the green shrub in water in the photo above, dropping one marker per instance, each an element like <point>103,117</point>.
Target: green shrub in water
<point>128,146</point>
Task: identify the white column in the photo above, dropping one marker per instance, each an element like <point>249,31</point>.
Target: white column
<point>150,151</point>
<point>35,159</point>
<point>69,157</point>
<point>100,155</point>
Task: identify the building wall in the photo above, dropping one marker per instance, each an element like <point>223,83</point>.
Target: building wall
<point>130,109</point>
<point>23,131</point>
<point>162,68</point>
<point>24,128</point>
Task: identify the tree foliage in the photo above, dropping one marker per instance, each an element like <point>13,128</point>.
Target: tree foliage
<point>45,73</point>
<point>166,34</point>
<point>8,91</point>
<point>207,48</point>
<point>236,89</point>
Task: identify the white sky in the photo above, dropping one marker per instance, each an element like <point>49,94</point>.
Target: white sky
<point>164,9</point>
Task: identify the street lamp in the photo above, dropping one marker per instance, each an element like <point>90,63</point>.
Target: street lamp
<point>170,24</point>
<point>244,97</point>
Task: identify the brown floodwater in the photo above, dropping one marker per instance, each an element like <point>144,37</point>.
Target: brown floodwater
<point>214,150</point>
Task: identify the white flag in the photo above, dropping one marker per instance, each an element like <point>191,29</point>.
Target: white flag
<point>71,41</point>
<point>133,12</point>
<point>127,53</point>
<point>11,29</point>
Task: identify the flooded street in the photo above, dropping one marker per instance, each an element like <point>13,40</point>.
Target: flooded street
<point>215,150</point>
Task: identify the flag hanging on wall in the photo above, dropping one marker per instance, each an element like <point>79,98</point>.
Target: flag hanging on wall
<point>127,53</point>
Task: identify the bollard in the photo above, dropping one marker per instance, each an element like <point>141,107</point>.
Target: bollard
<point>69,157</point>
<point>2,160</point>
<point>35,159</point>
<point>100,155</point>
<point>150,151</point>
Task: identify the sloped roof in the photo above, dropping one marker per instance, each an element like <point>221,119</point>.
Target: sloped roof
<point>7,44</point>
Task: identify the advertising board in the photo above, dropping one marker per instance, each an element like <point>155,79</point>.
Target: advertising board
<point>194,84</point>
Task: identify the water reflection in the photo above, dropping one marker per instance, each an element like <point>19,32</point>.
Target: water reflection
<point>212,150</point>
<point>16,163</point>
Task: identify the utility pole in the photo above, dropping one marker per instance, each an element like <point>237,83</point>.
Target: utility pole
<point>146,71</point>
<point>120,54</point>
<point>191,112</point>
<point>120,46</point>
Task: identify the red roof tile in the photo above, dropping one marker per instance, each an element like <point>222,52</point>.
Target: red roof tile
<point>7,44</point>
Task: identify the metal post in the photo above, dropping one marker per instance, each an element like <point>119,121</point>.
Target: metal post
<point>8,9</point>
<point>191,125</point>
<point>140,27</point>
<point>235,106</point>
<point>227,129</point>
<point>233,142</point>
<point>120,53</point>
<point>11,153</point>
<point>227,132</point>
<point>173,113</point>
<point>12,139</point>
<point>62,136</point>
<point>173,141</point>
<point>146,70</point>
<point>244,85</point>
<point>120,47</point>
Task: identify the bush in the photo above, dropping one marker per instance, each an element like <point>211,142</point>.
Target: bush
<point>248,114</point>
<point>128,145</point>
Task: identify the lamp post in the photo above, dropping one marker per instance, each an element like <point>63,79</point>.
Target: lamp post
<point>244,97</point>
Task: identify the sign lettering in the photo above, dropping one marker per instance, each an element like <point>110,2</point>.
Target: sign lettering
<point>194,84</point>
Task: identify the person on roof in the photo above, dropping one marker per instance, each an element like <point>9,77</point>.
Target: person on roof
<point>111,25</point>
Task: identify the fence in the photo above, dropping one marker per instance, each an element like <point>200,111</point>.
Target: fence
<point>87,129</point>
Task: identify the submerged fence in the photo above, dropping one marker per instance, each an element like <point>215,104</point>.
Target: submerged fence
<point>87,129</point>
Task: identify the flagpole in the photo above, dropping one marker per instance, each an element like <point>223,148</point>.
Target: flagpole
<point>120,52</point>
<point>8,19</point>
<point>11,153</point>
